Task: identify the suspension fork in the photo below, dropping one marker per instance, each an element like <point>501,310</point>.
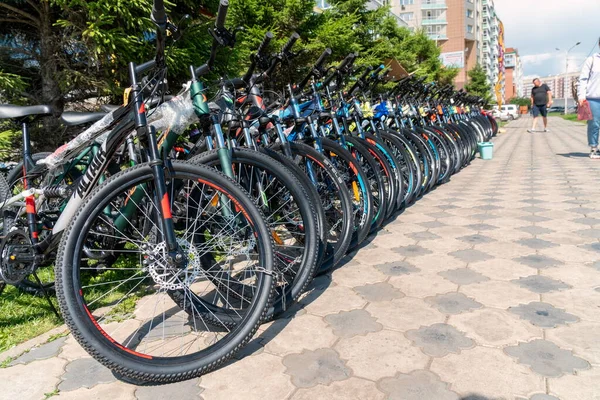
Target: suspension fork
<point>160,193</point>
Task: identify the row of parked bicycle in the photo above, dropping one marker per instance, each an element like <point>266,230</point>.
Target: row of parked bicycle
<point>177,225</point>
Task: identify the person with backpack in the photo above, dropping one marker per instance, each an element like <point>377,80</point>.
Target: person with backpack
<point>589,91</point>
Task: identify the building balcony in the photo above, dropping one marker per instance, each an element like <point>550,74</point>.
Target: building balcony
<point>438,5</point>
<point>437,36</point>
<point>434,21</point>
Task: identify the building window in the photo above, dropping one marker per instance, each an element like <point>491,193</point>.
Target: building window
<point>470,13</point>
<point>469,28</point>
<point>407,16</point>
<point>407,2</point>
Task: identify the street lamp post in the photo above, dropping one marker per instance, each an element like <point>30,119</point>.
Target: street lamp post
<point>566,85</point>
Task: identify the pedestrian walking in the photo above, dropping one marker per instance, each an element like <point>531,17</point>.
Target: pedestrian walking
<point>541,99</point>
<point>589,90</point>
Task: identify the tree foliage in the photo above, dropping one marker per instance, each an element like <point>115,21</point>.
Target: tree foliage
<point>61,52</point>
<point>478,84</point>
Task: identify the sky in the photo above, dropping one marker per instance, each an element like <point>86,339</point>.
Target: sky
<point>537,27</point>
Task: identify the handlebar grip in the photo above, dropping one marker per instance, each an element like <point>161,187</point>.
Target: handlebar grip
<point>347,61</point>
<point>159,16</point>
<point>290,43</point>
<point>364,75</point>
<point>264,44</point>
<point>222,14</point>
<point>322,58</point>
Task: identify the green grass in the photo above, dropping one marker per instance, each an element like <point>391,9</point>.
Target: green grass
<point>23,316</point>
<point>568,117</point>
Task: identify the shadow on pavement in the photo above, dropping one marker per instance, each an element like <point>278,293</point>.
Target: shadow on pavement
<point>574,155</point>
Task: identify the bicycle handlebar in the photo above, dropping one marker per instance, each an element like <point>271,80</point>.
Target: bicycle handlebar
<point>219,25</point>
<point>290,43</point>
<point>314,70</point>
<point>159,16</point>
<point>222,14</point>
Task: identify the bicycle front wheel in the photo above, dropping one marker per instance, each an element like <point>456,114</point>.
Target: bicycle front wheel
<point>124,315</point>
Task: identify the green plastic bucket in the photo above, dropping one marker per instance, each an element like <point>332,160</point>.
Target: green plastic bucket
<point>486,150</point>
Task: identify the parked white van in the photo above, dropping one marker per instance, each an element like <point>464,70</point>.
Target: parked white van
<point>509,112</point>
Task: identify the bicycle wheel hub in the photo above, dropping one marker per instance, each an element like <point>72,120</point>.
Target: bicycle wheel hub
<point>169,276</point>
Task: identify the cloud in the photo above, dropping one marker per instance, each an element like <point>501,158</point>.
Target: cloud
<point>537,28</point>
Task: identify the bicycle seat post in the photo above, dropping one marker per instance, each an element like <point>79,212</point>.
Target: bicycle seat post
<point>28,162</point>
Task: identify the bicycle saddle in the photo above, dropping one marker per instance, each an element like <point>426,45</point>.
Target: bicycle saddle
<point>71,118</point>
<point>9,111</point>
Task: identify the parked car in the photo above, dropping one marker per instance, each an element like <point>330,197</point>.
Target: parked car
<point>507,112</point>
<point>561,109</point>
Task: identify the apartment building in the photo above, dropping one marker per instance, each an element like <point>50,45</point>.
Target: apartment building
<point>556,83</point>
<point>372,4</point>
<point>456,26</point>
<point>514,74</point>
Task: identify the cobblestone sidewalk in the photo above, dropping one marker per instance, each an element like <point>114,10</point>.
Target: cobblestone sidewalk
<point>487,288</point>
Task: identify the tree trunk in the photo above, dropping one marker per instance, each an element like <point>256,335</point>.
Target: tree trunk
<point>49,136</point>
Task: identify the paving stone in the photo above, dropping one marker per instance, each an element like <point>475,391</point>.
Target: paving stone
<point>583,386</point>
<point>332,300</point>
<point>484,217</point>
<point>438,340</point>
<point>535,218</point>
<point>404,314</point>
<point>378,255</point>
<point>492,327</point>
<point>587,221</point>
<point>470,255</point>
<point>463,276</point>
<point>543,314</point>
<point>258,377</point>
<point>422,285</point>
<point>541,284</point>
<point>448,206</point>
<point>595,247</point>
<point>501,269</point>
<point>543,396</point>
<point>319,367</point>
<point>85,372</point>
<point>43,352</point>
<point>582,210</point>
<point>115,390</point>
<point>31,381</point>
<point>583,302</point>
<point>348,324</point>
<point>397,268</point>
<point>581,338</point>
<point>379,292</point>
<point>498,294</point>
<point>570,253</point>
<point>353,388</point>
<point>381,354</point>
<point>476,239</point>
<point>533,209</point>
<point>536,230</point>
<point>411,251</point>
<point>453,303</point>
<point>186,390</point>
<point>538,261</point>
<point>287,336</point>
<point>487,373</point>
<point>505,249</point>
<point>357,274</point>
<point>590,233</point>
<point>425,235</point>
<point>482,227</point>
<point>432,224</point>
<point>536,243</point>
<point>546,358</point>
<point>417,385</point>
